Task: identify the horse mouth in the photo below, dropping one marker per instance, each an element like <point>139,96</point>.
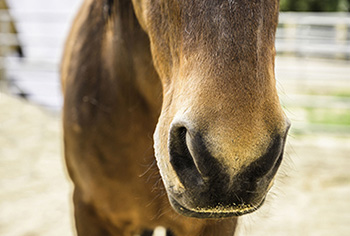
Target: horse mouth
<point>219,211</point>
<point>238,207</point>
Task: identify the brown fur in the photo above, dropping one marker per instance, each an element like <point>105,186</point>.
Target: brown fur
<point>204,72</point>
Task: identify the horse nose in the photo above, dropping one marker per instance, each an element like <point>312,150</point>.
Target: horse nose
<point>191,160</point>
<point>196,168</point>
<point>267,164</point>
<point>208,181</point>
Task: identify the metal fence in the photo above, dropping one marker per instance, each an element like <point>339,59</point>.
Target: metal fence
<point>313,70</point>
<point>325,35</point>
<point>41,34</point>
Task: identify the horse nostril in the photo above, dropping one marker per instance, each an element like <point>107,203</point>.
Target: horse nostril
<point>181,158</point>
<point>267,163</point>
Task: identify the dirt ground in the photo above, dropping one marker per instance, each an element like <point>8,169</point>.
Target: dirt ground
<point>34,191</point>
<point>310,197</point>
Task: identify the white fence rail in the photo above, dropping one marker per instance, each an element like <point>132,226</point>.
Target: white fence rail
<point>41,35</point>
<point>314,34</point>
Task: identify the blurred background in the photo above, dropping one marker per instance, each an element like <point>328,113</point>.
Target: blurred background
<point>312,193</point>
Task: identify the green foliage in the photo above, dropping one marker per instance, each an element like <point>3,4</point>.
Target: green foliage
<point>328,116</point>
<point>315,5</point>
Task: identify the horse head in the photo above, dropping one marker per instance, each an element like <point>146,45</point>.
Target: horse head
<point>221,132</point>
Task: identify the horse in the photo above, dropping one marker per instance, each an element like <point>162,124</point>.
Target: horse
<point>197,75</point>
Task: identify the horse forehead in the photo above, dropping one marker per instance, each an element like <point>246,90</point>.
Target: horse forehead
<point>184,11</point>
<point>218,36</point>
<point>210,23</point>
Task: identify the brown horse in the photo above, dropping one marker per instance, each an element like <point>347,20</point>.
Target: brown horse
<point>201,74</point>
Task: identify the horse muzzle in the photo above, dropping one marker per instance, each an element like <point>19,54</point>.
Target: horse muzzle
<point>209,189</point>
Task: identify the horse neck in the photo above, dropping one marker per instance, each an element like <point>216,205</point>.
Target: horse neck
<point>126,50</point>
<point>111,62</point>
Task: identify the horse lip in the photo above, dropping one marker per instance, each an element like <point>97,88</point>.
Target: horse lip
<point>217,212</point>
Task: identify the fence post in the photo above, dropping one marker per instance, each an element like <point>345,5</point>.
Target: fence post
<point>5,28</point>
<point>291,34</point>
<point>341,37</point>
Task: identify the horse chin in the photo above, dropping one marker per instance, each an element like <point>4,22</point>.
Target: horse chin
<point>217,212</point>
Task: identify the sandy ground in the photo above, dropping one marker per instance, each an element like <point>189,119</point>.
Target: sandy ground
<point>34,191</point>
<point>310,197</point>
